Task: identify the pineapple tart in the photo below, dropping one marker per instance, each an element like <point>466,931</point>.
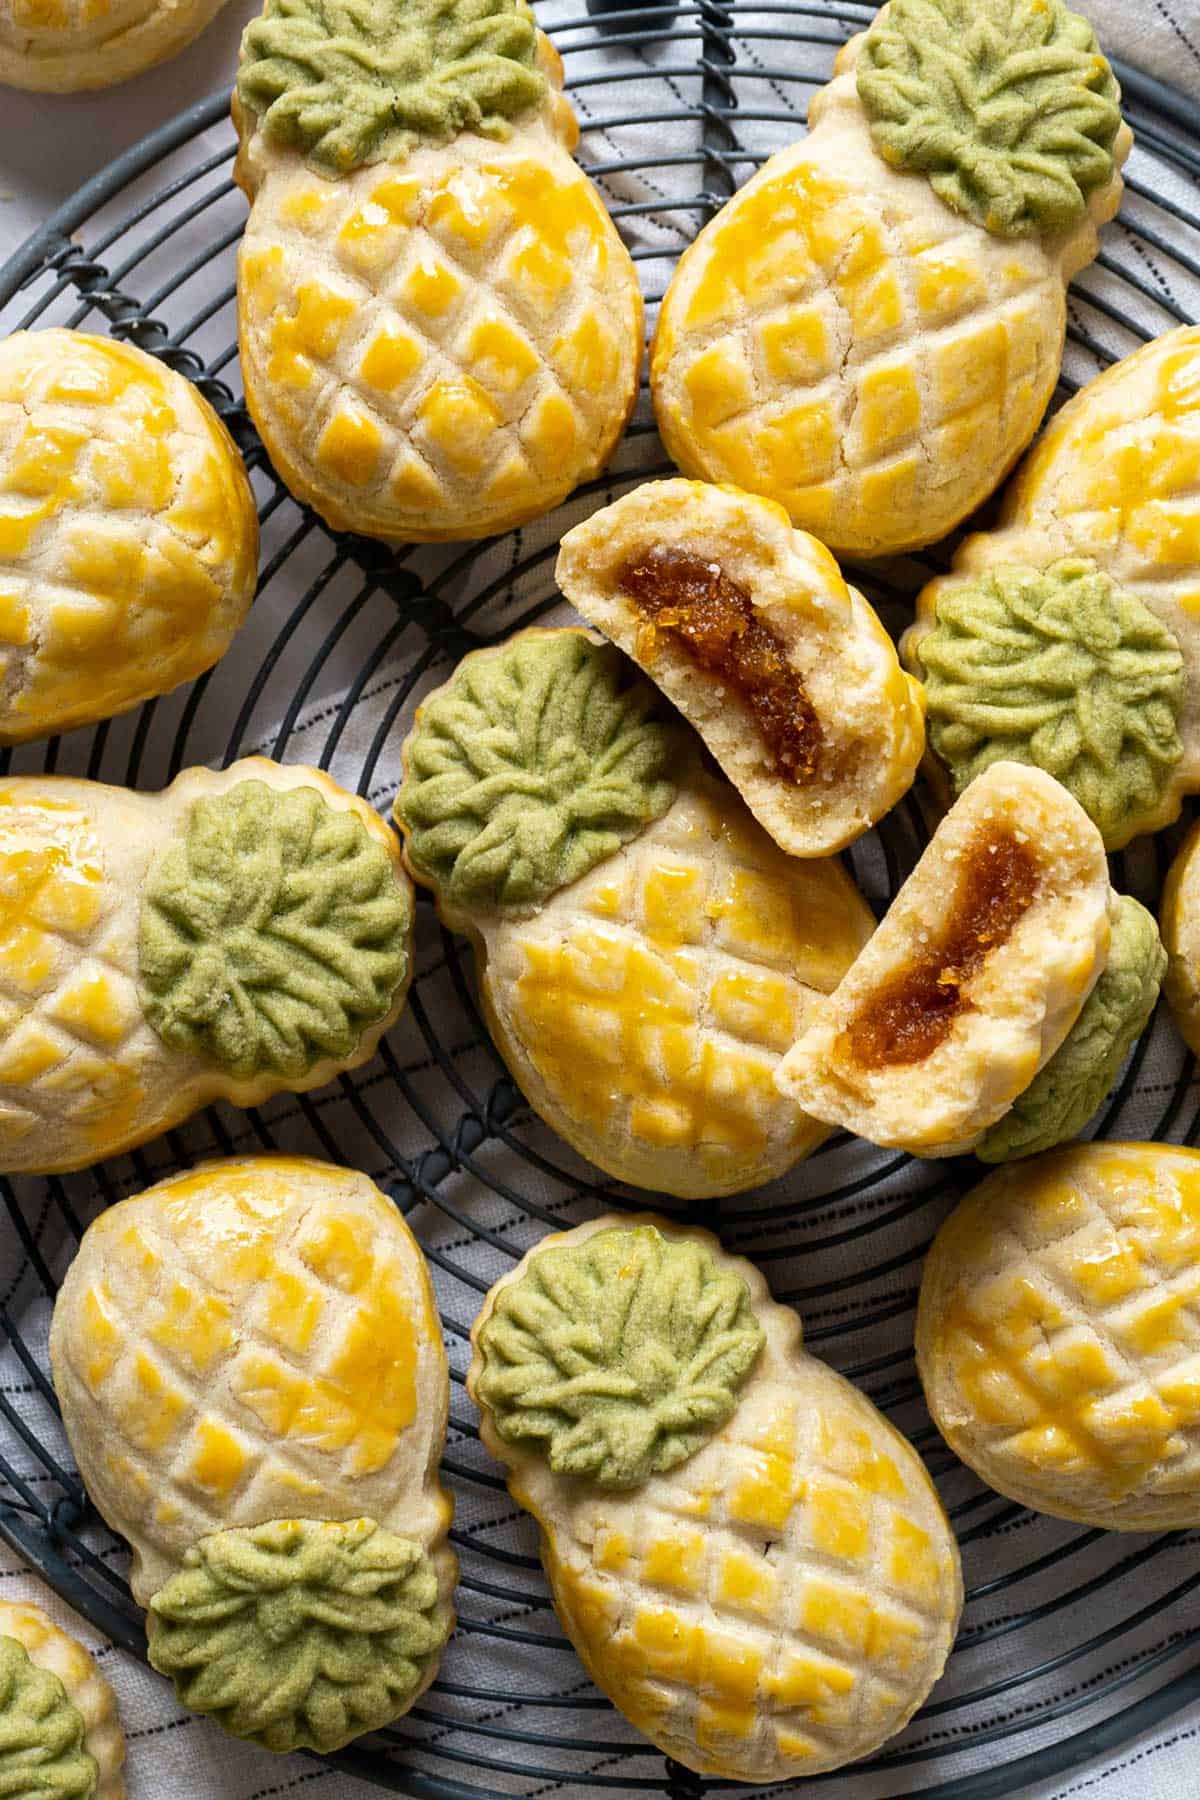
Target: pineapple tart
<point>244,932</point>
<point>750,1560</point>
<point>994,1005</point>
<point>253,1381</point>
<point>646,953</point>
<point>870,330</point>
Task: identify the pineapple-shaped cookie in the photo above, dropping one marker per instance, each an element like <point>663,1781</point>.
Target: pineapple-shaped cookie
<point>751,1562</point>
<point>1057,1337</point>
<point>1069,637</point>
<point>128,534</point>
<point>870,330</point>
<point>64,46</point>
<point>750,629</point>
<point>646,953</point>
<point>440,329</point>
<point>254,1384</point>
<point>994,1006</point>
<point>243,932</point>
<point>60,1735</point>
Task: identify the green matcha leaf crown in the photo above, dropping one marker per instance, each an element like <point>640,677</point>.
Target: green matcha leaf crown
<point>348,82</point>
<point>1007,105</point>
<point>300,1634</point>
<point>42,1732</point>
<point>1061,1099</point>
<point>274,932</point>
<point>1062,668</point>
<point>618,1356</point>
<point>532,765</point>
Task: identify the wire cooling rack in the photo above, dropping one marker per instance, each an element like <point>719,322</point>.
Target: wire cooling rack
<point>1072,1640</point>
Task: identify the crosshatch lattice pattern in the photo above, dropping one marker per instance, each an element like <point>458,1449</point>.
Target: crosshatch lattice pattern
<point>1071,1641</point>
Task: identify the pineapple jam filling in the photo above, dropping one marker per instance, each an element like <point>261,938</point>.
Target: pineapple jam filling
<point>713,620</point>
<point>907,1018</point>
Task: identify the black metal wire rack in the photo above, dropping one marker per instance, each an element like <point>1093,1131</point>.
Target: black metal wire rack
<point>1073,1641</point>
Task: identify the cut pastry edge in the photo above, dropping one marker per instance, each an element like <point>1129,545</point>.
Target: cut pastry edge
<point>1179,922</point>
<point>62,1655</point>
<point>785,671</point>
<point>981,1008</point>
<point>707,809</point>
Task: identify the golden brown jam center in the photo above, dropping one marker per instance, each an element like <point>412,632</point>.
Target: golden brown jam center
<point>713,619</point>
<point>911,1014</point>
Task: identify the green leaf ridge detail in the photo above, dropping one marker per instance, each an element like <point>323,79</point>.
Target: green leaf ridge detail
<point>618,1356</point>
<point>42,1733</point>
<point>531,766</point>
<point>1062,668</point>
<point>1007,105</point>
<point>1062,1098</point>
<point>347,82</point>
<point>300,1634</point>
<point>274,932</point>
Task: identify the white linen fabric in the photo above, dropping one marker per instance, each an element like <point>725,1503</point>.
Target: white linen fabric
<point>1065,1629</point>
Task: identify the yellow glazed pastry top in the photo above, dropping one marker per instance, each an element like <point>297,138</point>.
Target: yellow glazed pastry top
<point>846,343</point>
<point>253,1382</point>
<point>973,980</point>
<point>67,1738</point>
<point>1056,1335</point>
<point>775,1605</point>
<point>443,346</point>
<point>748,626</point>
<point>137,983</point>
<point>647,953</point>
<point>252,1341</point>
<point>128,533</point>
<point>1179,919</point>
<point>65,46</point>
<point>1109,486</point>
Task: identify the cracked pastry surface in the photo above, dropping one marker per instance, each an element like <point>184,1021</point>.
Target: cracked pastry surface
<point>253,1381</point>
<point>778,1601</point>
<point>1055,1337</point>
<point>980,969</point>
<point>244,932</point>
<point>645,952</point>
<point>128,532</point>
<point>1068,636</point>
<point>844,341</point>
<point>443,344</point>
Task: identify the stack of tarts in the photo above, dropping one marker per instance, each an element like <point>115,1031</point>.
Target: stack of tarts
<point>637,823</point>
